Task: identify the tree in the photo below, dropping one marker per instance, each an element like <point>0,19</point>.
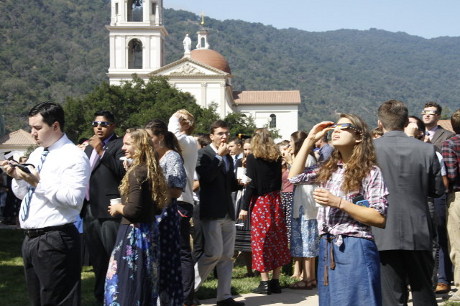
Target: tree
<point>136,102</point>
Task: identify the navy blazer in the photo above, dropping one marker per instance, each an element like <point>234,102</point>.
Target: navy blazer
<point>216,185</point>
<point>412,173</point>
<point>106,176</point>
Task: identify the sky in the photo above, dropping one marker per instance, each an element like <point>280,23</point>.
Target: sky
<point>425,18</point>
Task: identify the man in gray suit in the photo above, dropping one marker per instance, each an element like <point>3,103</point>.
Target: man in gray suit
<point>431,114</point>
<point>412,173</point>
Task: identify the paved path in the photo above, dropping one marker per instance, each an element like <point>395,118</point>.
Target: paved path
<point>288,297</point>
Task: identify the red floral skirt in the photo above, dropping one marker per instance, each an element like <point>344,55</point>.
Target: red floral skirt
<point>268,233</point>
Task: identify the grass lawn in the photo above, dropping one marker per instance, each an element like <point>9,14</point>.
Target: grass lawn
<point>13,289</point>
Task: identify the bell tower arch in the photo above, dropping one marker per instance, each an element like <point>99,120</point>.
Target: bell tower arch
<point>136,34</point>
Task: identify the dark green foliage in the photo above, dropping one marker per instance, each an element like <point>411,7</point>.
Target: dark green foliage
<point>54,49</point>
<point>133,105</point>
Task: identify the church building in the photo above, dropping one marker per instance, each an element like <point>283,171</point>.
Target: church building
<point>137,37</point>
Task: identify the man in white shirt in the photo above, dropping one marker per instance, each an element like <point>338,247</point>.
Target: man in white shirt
<point>52,194</point>
<point>182,124</point>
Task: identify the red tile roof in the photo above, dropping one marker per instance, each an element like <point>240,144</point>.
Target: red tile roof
<point>445,124</point>
<point>267,97</point>
<point>18,138</point>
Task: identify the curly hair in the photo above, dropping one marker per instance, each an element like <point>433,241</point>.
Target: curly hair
<point>263,146</point>
<point>361,162</point>
<point>145,154</point>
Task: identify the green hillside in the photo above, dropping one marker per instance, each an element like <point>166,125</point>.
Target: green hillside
<point>51,49</point>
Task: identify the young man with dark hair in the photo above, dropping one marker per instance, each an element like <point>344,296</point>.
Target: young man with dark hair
<point>217,213</point>
<point>99,227</point>
<point>411,172</point>
<point>435,133</point>
<point>451,155</point>
<point>53,192</point>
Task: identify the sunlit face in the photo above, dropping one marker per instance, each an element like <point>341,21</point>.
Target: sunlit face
<point>220,135</point>
<point>431,118</point>
<point>157,140</point>
<point>342,138</point>
<point>128,146</point>
<point>234,148</point>
<point>43,134</point>
<point>103,132</point>
<point>247,149</point>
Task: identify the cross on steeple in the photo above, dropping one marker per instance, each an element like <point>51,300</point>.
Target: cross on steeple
<point>202,18</point>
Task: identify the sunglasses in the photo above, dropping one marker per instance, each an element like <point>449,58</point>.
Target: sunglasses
<point>429,112</point>
<point>345,126</point>
<point>101,123</point>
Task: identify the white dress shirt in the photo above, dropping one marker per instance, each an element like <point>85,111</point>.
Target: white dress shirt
<point>59,195</point>
<point>189,154</point>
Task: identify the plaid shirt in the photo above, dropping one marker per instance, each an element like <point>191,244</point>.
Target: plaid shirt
<point>451,154</point>
<point>335,221</point>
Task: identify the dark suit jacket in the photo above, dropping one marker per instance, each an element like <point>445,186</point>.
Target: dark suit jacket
<point>440,136</point>
<point>106,176</point>
<point>412,173</point>
<point>216,185</point>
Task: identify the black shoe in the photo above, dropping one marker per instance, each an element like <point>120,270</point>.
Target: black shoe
<point>229,302</point>
<point>263,288</point>
<point>275,286</point>
<point>196,302</point>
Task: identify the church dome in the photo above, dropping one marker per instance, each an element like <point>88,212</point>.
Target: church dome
<point>211,58</point>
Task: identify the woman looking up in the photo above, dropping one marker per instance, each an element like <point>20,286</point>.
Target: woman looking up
<point>268,225</point>
<point>132,277</point>
<point>353,198</point>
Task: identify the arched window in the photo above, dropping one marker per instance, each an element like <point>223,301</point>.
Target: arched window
<point>135,10</point>
<point>203,42</point>
<point>272,121</point>
<point>135,54</point>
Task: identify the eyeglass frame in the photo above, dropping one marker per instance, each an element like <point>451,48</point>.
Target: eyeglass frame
<point>345,126</point>
<point>220,134</point>
<point>101,123</point>
<point>429,112</point>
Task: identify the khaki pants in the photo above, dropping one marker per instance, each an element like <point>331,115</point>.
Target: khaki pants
<point>453,232</point>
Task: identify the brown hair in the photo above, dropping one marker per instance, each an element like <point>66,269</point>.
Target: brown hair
<point>145,154</point>
<point>263,146</point>
<point>434,104</point>
<point>158,128</point>
<point>361,161</point>
<point>455,121</point>
<point>393,115</point>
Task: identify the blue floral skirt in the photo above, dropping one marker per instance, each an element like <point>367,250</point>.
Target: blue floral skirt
<point>132,275</point>
<point>304,236</point>
<point>170,285</point>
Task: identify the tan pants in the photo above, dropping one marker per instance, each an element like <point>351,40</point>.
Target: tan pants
<point>453,232</point>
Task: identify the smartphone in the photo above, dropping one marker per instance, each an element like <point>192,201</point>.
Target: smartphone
<point>359,200</point>
<point>23,167</point>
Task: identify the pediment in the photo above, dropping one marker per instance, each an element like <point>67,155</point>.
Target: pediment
<point>188,67</point>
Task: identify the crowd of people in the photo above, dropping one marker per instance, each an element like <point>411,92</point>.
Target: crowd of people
<point>364,215</point>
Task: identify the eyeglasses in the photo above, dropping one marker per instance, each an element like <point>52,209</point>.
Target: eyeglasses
<point>429,112</point>
<point>101,123</point>
<point>223,133</point>
<point>347,126</point>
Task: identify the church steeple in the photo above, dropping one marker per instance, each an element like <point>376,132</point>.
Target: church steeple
<point>136,38</point>
<point>202,36</point>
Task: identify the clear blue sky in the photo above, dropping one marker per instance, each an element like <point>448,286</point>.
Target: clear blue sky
<point>425,18</point>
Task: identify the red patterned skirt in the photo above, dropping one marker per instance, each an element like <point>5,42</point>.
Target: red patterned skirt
<point>268,233</point>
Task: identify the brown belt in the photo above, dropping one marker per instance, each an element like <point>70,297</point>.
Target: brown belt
<point>329,255</point>
<point>35,232</point>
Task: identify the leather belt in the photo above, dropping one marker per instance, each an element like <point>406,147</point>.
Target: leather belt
<point>36,232</point>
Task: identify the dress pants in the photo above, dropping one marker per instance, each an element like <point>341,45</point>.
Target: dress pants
<point>100,237</point>
<point>444,264</point>
<point>188,272</point>
<point>198,238</point>
<point>400,268</point>
<point>453,232</point>
<point>219,236</point>
<point>52,267</point>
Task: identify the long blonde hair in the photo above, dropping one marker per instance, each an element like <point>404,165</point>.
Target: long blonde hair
<point>361,162</point>
<point>263,146</point>
<point>145,154</point>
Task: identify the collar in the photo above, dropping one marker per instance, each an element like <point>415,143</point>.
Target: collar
<point>433,130</point>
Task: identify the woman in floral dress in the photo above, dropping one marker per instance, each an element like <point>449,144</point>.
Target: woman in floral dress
<point>132,276</point>
<point>167,147</point>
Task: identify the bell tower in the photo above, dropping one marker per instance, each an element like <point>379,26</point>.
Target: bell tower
<point>136,39</point>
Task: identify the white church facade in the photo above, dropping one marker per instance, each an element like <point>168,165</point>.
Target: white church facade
<point>137,37</point>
